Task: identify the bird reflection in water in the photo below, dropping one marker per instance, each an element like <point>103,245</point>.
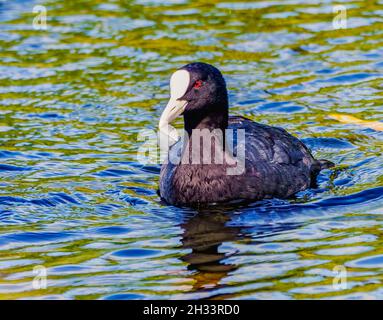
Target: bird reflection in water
<point>204,233</point>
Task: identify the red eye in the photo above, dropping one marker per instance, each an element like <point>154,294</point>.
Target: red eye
<point>198,84</point>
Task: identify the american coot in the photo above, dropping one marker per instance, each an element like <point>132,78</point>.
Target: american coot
<point>276,164</point>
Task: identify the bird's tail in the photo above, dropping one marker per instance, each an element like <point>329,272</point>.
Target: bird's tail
<point>325,164</point>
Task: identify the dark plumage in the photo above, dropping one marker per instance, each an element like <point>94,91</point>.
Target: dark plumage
<point>276,163</point>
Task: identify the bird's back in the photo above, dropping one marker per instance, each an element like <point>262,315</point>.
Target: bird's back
<point>276,165</point>
<point>281,163</point>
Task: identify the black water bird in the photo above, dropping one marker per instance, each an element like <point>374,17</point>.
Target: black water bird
<point>275,164</point>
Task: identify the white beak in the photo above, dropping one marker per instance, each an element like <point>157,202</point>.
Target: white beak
<point>171,112</point>
<point>179,83</point>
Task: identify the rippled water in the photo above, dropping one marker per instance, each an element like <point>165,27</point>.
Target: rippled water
<point>74,199</point>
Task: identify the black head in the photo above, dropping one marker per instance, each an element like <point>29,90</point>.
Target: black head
<point>207,90</point>
<point>198,91</point>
